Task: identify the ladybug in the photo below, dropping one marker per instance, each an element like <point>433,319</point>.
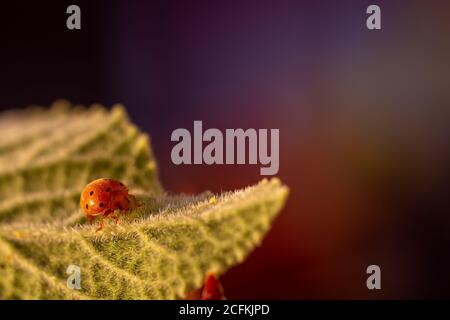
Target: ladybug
<point>102,197</point>
<point>212,290</point>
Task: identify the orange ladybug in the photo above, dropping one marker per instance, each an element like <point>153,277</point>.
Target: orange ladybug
<point>102,197</point>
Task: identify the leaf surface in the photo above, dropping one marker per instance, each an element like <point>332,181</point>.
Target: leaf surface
<point>161,250</point>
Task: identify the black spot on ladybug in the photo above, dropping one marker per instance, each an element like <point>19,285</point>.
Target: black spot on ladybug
<point>108,189</point>
<point>87,207</point>
<point>101,204</point>
<point>121,184</point>
<point>91,193</point>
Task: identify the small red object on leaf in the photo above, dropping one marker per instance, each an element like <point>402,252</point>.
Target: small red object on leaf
<point>212,290</point>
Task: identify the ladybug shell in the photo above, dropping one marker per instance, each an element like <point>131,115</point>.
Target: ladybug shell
<point>103,196</point>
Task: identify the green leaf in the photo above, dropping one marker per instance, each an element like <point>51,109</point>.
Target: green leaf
<point>161,250</point>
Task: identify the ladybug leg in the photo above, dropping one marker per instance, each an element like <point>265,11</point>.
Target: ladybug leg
<point>90,219</point>
<point>116,217</point>
<point>103,215</point>
<point>102,222</point>
<point>100,227</point>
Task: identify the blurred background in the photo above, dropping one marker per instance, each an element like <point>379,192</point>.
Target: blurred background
<point>363,118</point>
